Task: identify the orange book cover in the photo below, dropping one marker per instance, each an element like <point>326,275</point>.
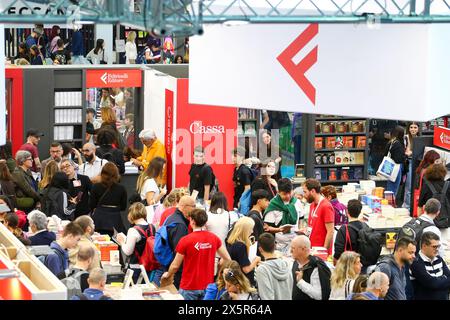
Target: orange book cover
<point>330,142</point>
<point>360,142</point>
<point>348,142</point>
<point>318,143</point>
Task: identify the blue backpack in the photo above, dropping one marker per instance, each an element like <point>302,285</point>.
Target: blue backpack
<point>140,58</point>
<point>163,253</point>
<point>245,202</point>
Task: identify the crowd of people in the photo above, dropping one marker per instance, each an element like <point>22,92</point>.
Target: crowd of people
<point>48,47</point>
<point>263,247</point>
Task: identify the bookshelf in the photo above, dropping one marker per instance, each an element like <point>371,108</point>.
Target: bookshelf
<point>248,128</point>
<point>337,150</point>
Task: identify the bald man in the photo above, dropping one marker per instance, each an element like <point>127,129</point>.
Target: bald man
<point>311,275</point>
<point>180,219</point>
<point>93,165</point>
<point>377,287</point>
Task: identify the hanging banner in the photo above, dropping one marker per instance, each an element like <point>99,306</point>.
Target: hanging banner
<point>441,137</point>
<point>213,128</point>
<point>391,71</point>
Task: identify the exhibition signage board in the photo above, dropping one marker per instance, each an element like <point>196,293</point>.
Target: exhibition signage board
<point>441,137</point>
<point>114,78</point>
<point>169,115</point>
<point>2,92</point>
<point>209,126</point>
<point>13,288</point>
<point>390,71</point>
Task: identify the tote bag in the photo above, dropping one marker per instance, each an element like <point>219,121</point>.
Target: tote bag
<point>388,168</point>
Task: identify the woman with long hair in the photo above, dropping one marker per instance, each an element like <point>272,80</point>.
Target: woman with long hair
<point>36,57</point>
<point>430,158</point>
<point>105,139</point>
<point>238,246</point>
<point>97,55</point>
<point>23,52</point>
<point>146,184</point>
<point>50,169</point>
<point>237,286</point>
<point>220,220</point>
<point>107,199</point>
<point>215,290</point>
<point>396,149</point>
<point>265,180</point>
<point>434,181</point>
<point>412,132</point>
<point>6,154</point>
<point>348,268</point>
<point>7,184</point>
<point>54,37</point>
<point>130,48</point>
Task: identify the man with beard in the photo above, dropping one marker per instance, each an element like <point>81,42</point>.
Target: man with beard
<point>394,266</point>
<point>321,216</point>
<point>93,165</point>
<point>56,152</point>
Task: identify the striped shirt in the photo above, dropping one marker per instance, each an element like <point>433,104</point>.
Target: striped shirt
<point>430,278</point>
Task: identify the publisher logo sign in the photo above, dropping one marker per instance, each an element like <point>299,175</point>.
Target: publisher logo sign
<point>442,137</point>
<point>197,127</point>
<point>113,78</point>
<point>297,71</point>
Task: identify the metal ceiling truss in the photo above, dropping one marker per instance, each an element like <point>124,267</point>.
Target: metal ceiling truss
<point>187,17</point>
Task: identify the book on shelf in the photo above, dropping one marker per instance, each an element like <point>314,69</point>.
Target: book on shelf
<point>358,126</point>
<point>339,142</point>
<point>317,174</point>
<point>348,142</point>
<point>250,128</point>
<point>300,170</point>
<point>318,143</point>
<point>330,142</point>
<point>345,173</point>
<point>332,174</point>
<point>342,127</point>
<point>358,173</point>
<point>344,157</point>
<point>360,142</point>
<point>359,157</point>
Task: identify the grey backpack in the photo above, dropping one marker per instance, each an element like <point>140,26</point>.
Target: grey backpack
<point>73,282</point>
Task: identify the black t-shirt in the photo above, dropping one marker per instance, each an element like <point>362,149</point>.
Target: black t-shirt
<point>261,183</point>
<point>238,253</point>
<point>62,55</point>
<point>200,176</point>
<point>90,128</point>
<point>82,184</point>
<point>339,242</point>
<point>426,193</point>
<point>258,229</point>
<point>242,176</point>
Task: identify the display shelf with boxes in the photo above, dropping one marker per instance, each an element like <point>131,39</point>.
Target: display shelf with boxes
<point>68,116</point>
<point>338,150</point>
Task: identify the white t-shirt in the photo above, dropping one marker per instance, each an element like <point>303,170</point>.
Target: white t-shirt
<point>130,51</point>
<point>219,224</point>
<point>149,186</point>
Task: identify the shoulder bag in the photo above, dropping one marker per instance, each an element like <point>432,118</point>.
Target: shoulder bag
<point>388,168</point>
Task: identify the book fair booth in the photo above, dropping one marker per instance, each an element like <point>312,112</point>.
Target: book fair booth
<point>339,150</point>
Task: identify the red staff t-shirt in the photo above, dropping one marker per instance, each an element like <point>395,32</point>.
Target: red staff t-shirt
<point>317,219</point>
<point>199,250</point>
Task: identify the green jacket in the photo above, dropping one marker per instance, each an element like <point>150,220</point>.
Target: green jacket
<point>24,182</point>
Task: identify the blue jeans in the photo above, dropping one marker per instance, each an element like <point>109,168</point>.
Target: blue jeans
<point>157,275</point>
<point>407,199</point>
<point>192,294</point>
<point>393,186</point>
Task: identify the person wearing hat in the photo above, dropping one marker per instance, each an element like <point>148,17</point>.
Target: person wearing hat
<point>33,137</point>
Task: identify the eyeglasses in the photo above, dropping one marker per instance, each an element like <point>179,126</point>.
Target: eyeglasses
<point>436,246</point>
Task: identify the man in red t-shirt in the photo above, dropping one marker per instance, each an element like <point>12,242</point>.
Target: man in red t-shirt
<point>321,216</point>
<point>196,252</point>
<point>33,137</point>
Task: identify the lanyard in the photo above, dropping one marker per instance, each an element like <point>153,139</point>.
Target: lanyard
<point>317,207</point>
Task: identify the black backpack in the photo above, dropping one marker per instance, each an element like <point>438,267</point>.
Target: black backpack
<point>441,221</point>
<point>369,244</point>
<point>413,230</point>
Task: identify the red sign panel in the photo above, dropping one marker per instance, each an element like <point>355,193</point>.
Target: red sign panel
<point>212,127</point>
<point>105,78</point>
<point>442,137</point>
